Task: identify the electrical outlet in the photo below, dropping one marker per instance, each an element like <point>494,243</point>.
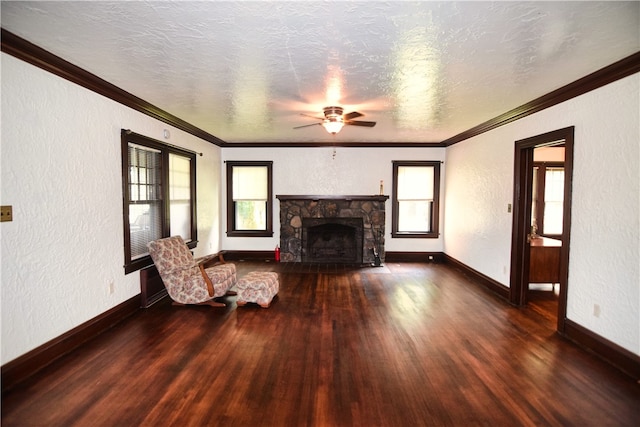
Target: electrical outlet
<point>111,288</point>
<point>596,310</point>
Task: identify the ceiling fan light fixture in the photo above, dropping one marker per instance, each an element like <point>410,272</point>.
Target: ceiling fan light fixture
<point>333,126</point>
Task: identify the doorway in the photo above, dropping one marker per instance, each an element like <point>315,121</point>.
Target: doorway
<point>522,217</point>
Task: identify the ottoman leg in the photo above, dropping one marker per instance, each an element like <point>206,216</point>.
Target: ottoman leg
<point>265,304</point>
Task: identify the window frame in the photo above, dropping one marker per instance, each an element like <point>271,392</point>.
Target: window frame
<point>231,212</point>
<point>131,265</point>
<point>538,196</point>
<point>395,204</point>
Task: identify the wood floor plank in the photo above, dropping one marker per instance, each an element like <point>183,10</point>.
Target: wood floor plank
<point>406,344</point>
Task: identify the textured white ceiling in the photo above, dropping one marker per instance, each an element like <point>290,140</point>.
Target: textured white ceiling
<point>244,71</point>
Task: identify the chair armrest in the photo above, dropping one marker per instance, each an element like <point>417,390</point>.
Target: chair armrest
<point>207,280</point>
<point>211,260</point>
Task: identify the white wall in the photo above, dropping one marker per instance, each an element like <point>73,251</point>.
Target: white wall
<point>604,263</point>
<point>316,171</point>
<point>61,172</point>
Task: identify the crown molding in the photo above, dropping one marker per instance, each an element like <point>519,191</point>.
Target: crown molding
<point>331,144</point>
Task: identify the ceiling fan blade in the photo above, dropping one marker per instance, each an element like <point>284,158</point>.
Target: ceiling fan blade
<point>313,117</point>
<point>352,115</point>
<point>360,123</point>
<point>306,126</point>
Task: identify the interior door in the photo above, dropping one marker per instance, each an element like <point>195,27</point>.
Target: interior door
<point>523,194</point>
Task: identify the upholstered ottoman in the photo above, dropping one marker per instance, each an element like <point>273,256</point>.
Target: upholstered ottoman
<point>259,287</point>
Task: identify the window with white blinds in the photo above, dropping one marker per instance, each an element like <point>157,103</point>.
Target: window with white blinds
<point>159,196</point>
<point>145,198</point>
<point>249,197</point>
<point>415,199</point>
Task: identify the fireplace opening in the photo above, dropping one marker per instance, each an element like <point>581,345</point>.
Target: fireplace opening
<point>336,240</point>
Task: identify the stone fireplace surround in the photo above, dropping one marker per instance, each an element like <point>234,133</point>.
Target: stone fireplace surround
<point>295,208</point>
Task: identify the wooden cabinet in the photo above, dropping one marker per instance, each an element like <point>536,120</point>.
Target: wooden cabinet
<point>544,264</point>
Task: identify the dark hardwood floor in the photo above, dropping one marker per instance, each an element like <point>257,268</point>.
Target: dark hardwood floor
<point>543,299</point>
<point>405,344</point>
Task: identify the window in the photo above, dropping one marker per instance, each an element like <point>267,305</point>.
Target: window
<point>159,196</point>
<point>249,195</point>
<point>548,199</point>
<point>416,194</point>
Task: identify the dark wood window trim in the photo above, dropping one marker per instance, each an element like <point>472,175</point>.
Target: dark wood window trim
<point>231,214</point>
<point>165,150</point>
<point>435,214</point>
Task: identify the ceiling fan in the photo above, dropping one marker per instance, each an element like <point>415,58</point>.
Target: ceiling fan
<point>334,120</point>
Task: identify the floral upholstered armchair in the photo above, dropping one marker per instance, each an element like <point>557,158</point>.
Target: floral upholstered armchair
<point>186,278</point>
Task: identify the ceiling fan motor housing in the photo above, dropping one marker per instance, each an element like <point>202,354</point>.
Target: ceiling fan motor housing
<point>333,113</point>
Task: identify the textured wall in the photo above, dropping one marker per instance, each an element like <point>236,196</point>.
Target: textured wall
<point>604,266</point>
<point>478,188</point>
<point>61,169</point>
<point>318,171</point>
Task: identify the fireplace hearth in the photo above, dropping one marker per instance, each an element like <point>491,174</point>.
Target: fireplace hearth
<point>332,229</point>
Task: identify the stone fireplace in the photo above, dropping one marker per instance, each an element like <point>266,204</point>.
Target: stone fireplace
<point>334,229</point>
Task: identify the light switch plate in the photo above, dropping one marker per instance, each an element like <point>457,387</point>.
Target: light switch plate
<point>6,213</point>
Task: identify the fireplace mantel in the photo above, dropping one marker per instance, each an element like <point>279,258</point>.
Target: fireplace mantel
<point>377,198</point>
